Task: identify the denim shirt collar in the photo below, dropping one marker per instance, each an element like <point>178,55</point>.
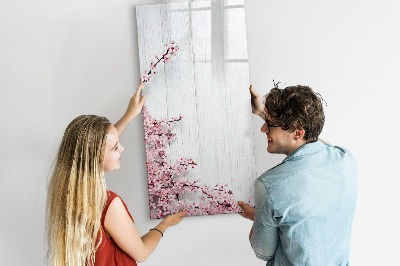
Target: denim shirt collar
<point>306,149</point>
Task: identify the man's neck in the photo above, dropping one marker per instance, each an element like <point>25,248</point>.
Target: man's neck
<point>297,145</point>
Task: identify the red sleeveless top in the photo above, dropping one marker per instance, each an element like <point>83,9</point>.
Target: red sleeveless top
<point>109,253</point>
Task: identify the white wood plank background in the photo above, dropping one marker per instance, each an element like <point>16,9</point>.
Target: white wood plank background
<point>207,83</point>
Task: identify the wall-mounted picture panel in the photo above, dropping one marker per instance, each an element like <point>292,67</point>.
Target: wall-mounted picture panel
<point>197,117</point>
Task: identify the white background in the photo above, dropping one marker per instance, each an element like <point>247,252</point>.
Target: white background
<point>60,59</point>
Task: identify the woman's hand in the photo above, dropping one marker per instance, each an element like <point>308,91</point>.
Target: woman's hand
<point>257,105</point>
<point>171,220</point>
<point>174,219</point>
<point>135,106</point>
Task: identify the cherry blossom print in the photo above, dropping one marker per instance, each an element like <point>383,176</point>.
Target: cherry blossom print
<point>171,50</point>
<point>169,190</point>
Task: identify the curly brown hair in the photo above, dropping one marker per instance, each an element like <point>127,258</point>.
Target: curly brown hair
<point>297,107</point>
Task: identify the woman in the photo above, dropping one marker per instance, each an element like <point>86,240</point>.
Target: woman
<point>87,224</point>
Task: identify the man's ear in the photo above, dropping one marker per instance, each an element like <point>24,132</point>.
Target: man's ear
<point>299,134</point>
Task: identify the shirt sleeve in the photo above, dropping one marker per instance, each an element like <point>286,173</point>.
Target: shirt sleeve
<point>264,239</point>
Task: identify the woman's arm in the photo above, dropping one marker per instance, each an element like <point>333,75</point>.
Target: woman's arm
<point>122,229</point>
<point>134,108</point>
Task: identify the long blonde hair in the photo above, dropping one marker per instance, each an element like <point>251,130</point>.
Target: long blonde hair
<point>77,193</point>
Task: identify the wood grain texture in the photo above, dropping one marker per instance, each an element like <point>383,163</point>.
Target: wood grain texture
<point>207,84</point>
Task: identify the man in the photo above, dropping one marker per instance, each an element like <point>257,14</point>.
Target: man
<point>304,206</point>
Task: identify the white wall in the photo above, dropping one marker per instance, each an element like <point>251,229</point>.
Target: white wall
<point>59,59</point>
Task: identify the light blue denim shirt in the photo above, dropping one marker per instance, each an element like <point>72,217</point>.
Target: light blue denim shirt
<point>305,208</point>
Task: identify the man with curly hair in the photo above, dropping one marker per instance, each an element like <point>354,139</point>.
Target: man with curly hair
<point>304,206</point>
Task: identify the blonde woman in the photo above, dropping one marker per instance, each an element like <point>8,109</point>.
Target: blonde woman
<point>87,224</point>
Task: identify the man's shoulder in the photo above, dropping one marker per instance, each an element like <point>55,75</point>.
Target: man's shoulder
<point>275,174</point>
<point>340,155</point>
<point>310,151</point>
<point>330,156</point>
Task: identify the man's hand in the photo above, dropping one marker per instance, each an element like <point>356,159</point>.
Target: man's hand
<point>257,105</point>
<point>248,211</point>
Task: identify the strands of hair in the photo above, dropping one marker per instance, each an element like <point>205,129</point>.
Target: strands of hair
<point>77,193</point>
<point>297,107</point>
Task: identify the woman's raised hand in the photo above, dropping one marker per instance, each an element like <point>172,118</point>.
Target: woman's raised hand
<point>135,106</point>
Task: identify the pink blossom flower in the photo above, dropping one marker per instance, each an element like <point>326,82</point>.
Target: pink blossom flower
<point>167,190</point>
<point>171,50</point>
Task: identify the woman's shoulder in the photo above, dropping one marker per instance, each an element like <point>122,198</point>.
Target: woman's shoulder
<point>111,195</point>
<point>116,203</point>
